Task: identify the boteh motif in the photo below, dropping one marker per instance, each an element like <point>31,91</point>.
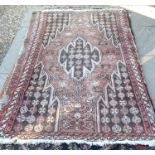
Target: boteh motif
<point>79,80</point>
<point>79,58</point>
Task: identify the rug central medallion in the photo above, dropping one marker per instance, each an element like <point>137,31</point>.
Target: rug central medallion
<point>79,58</point>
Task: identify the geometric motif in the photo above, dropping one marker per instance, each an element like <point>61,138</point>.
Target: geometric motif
<point>122,114</point>
<point>107,21</point>
<point>39,109</point>
<point>55,24</point>
<point>79,58</point>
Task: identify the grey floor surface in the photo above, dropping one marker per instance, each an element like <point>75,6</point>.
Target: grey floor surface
<point>10,20</point>
<point>144,33</point>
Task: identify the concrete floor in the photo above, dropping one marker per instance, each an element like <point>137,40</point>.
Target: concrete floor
<point>144,33</point>
<point>10,21</point>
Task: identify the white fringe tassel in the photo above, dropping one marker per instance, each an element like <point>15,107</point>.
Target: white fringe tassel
<point>100,143</point>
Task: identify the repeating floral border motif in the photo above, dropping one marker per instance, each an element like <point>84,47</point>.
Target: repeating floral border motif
<point>24,69</point>
<point>9,110</point>
<point>131,59</point>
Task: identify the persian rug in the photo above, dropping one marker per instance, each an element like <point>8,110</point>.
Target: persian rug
<point>78,81</point>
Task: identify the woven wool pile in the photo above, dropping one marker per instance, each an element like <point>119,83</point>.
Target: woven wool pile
<point>78,80</point>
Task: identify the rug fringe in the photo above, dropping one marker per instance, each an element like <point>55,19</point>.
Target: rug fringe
<point>151,143</point>
<point>81,10</point>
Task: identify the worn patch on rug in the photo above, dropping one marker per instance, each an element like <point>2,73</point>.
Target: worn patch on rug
<point>78,80</point>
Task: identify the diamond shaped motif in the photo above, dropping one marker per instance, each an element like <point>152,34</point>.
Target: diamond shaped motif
<point>79,58</point>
